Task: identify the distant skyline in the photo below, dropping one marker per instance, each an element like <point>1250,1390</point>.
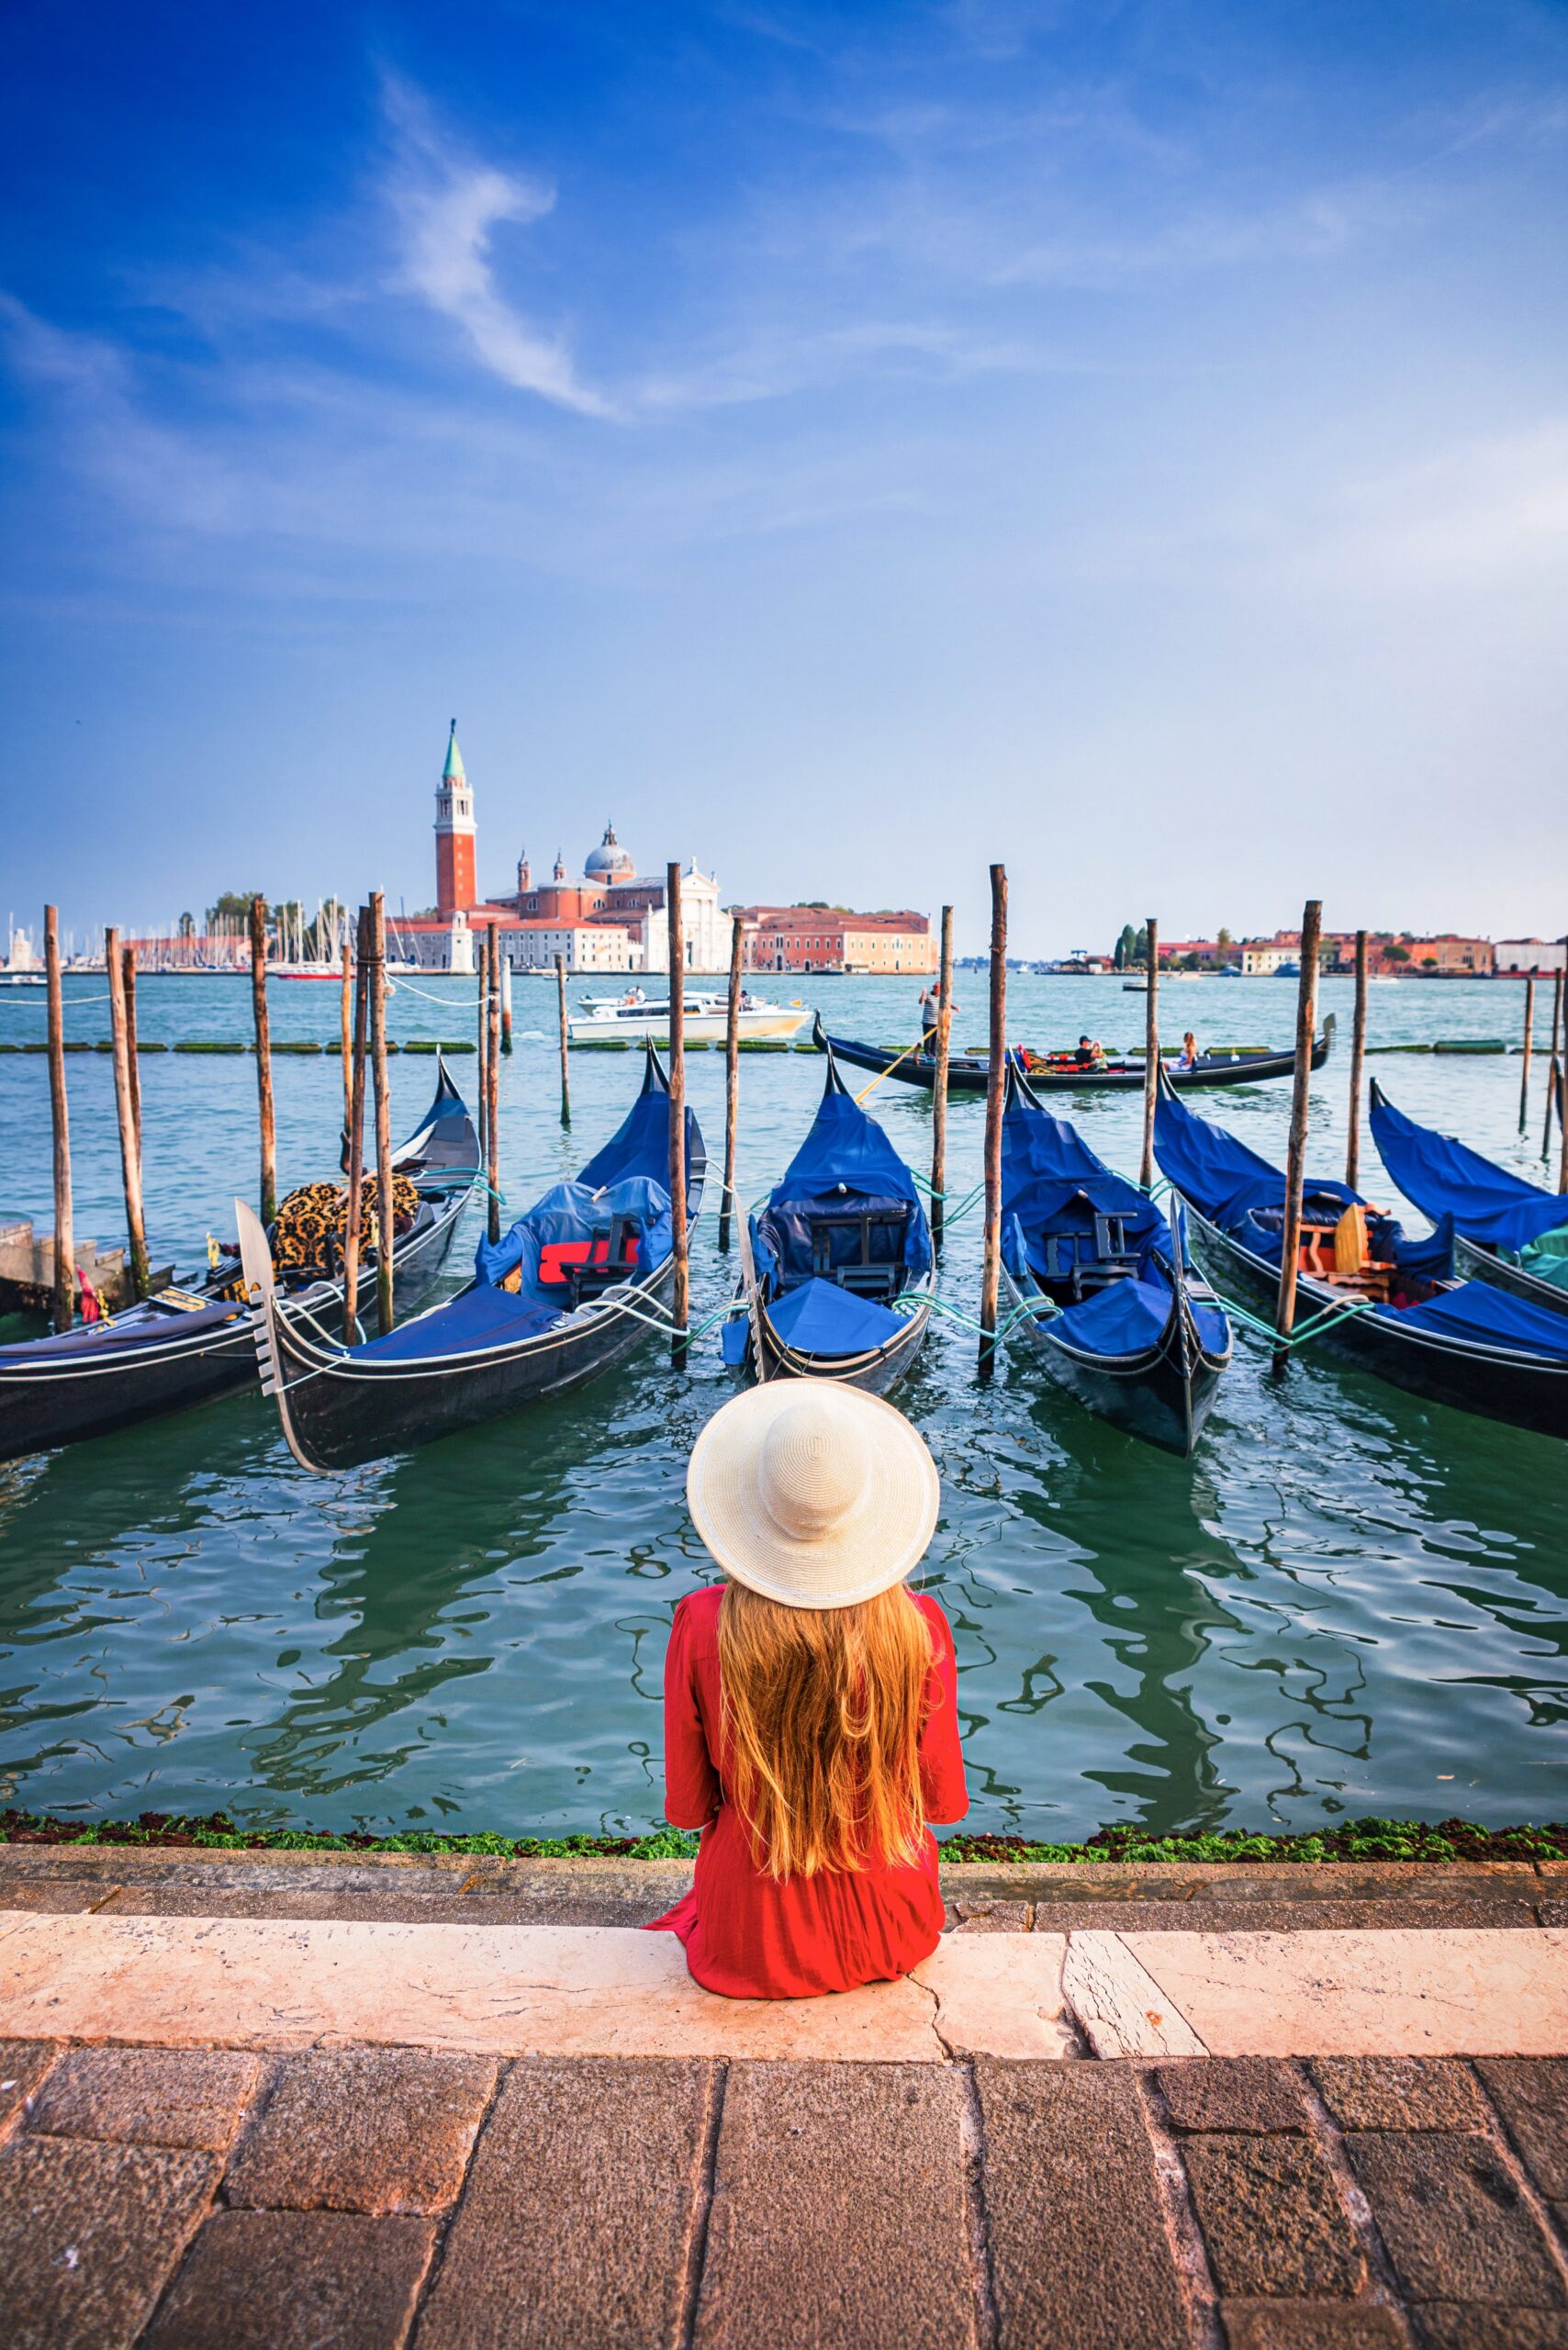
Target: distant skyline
<point>843,445</point>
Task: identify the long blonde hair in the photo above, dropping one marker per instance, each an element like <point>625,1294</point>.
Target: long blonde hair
<point>823,1711</point>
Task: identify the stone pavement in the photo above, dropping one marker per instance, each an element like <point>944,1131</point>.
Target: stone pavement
<point>246,2100</point>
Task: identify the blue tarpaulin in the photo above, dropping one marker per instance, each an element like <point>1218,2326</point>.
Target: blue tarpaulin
<point>1052,1182</point>
<point>846,1163</point>
<point>573,1212</point>
<point>819,1318</point>
<point>1127,1318</point>
<point>1445,1177</point>
<point>1490,1318</point>
<point>476,1319</point>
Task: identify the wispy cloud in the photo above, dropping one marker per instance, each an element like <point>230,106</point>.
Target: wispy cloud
<point>448,210</point>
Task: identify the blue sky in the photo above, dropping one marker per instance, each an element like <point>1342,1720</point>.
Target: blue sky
<point>847,444</point>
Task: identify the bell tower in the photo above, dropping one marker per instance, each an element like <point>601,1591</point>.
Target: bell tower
<point>454,835</point>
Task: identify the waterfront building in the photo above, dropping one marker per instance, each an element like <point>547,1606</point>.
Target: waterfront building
<point>1527,955</point>
<point>832,938</point>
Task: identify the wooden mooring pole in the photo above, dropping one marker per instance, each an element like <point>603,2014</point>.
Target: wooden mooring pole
<point>1551,1073</point>
<point>481,957</point>
<point>65,1250</point>
<point>731,1081</point>
<point>1358,1063</point>
<point>129,1145</point>
<point>263,1058</point>
<point>355,1159</point>
<point>565,1040</point>
<point>1528,1048</point>
<point>385,1219</point>
<point>506,1004</point>
<point>493,1081</point>
<point>345,1030</point>
<point>939,1079</point>
<point>1150,1056</point>
<point>127,983</point>
<point>995,1093</point>
<point>680,1301</point>
<point>1296,1155</point>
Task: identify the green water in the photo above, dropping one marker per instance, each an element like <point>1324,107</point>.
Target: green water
<point>1347,1602</point>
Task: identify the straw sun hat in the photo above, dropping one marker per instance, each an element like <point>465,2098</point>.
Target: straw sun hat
<point>812,1493</point>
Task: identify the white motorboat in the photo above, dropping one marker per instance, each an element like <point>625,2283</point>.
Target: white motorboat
<point>637,1018</point>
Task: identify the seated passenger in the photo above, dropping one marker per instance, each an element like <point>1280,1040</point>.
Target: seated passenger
<point>1188,1057</point>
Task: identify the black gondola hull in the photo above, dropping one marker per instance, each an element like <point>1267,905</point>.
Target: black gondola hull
<point>46,1404</point>
<point>1163,1394</point>
<point>967,1072</point>
<point>1486,1381</point>
<point>879,1372</point>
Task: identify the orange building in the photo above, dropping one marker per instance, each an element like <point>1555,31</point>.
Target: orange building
<point>832,938</point>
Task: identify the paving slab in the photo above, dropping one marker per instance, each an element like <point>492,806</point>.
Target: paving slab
<point>968,1914</point>
<point>1250,2093</point>
<point>1460,1992</point>
<point>838,2215</point>
<point>296,2281</point>
<point>1272,2216</point>
<point>146,2096</point>
<point>1451,2326</point>
<point>23,2065</point>
<point>1312,2325</point>
<point>88,2236</point>
<point>52,1894</point>
<point>1454,2223</point>
<point>1531,2094</point>
<point>1116,2003</point>
<point>1000,1994</point>
<point>1081,2257</point>
<point>1400,2092</point>
<point>504,1991</point>
<point>370,2129</point>
<point>577,2228</point>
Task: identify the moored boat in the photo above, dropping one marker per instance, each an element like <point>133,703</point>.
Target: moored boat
<point>837,1271</point>
<point>1062,1072</point>
<point>565,1294</point>
<point>186,1344</point>
<point>1505,1231</point>
<point>1404,1316</point>
<point>1097,1280</point>
<point>635,1019</point>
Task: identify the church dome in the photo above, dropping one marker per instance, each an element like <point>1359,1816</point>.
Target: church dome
<point>609,861</point>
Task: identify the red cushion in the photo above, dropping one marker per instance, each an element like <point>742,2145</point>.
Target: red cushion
<point>556,1255</point>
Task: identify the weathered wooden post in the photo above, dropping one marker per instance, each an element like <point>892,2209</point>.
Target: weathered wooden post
<point>506,1004</point>
<point>1551,1073</point>
<point>264,1056</point>
<point>127,984</point>
<point>1528,1048</point>
<point>346,1032</point>
<point>129,1147</point>
<point>565,1039</point>
<point>493,1079</point>
<point>481,956</point>
<point>1296,1155</point>
<point>680,1298</point>
<point>995,1091</point>
<point>356,1135</point>
<point>386,1220</point>
<point>939,1079</point>
<point>1151,1057</point>
<point>1357,1062</point>
<point>731,1081</point>
<point>64,1247</point>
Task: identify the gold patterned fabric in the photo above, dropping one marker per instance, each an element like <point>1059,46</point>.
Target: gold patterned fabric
<point>312,1222</point>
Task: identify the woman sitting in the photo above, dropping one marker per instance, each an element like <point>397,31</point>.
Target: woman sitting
<point>1188,1057</point>
<point>810,1701</point>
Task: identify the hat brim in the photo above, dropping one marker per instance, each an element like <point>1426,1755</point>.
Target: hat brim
<point>884,1543</point>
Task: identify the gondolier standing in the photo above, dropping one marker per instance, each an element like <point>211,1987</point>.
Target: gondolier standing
<point>931,1008</point>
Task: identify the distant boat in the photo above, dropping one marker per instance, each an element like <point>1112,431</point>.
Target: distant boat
<point>646,1020</point>
<point>22,979</point>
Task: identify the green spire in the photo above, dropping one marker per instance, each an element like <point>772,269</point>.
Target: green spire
<point>452,771</point>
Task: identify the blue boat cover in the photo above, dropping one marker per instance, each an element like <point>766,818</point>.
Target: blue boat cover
<point>571,1211</point>
<point>1445,1177</point>
<point>819,1318</point>
<point>1127,1318</point>
<point>1491,1317</point>
<point>640,1144</point>
<point>477,1319</point>
<point>90,1338</point>
<point>1051,1181</point>
<point>844,1157</point>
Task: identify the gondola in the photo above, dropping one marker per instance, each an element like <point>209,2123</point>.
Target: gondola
<point>1096,1277</point>
<point>1453,1342</point>
<point>837,1271</point>
<point>1059,1072</point>
<point>1505,1231</point>
<point>565,1294</point>
<point>184,1344</point>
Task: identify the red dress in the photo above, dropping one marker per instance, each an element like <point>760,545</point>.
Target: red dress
<point>756,1937</point>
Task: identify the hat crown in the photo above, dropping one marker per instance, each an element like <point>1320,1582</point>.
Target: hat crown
<point>815,1470</point>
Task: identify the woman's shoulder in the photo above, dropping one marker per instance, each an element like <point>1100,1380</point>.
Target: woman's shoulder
<point>935,1615</point>
<point>697,1616</point>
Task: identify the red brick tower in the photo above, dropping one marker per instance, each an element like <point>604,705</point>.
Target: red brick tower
<point>454,885</point>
